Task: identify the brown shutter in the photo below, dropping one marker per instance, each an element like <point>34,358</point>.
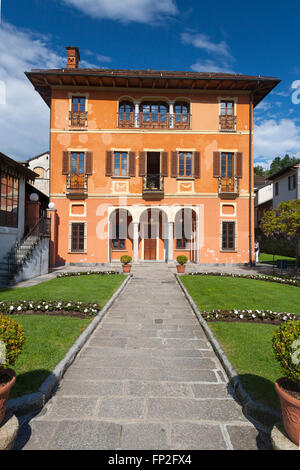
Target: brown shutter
<point>197,165</point>
<point>142,165</point>
<point>164,164</point>
<point>108,170</point>
<point>65,163</point>
<point>217,165</point>
<point>88,163</point>
<point>174,170</point>
<point>239,164</point>
<point>132,164</point>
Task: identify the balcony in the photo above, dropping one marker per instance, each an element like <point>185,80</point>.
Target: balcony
<point>227,123</point>
<point>78,118</point>
<point>131,120</point>
<point>228,188</point>
<point>153,186</point>
<point>77,186</point>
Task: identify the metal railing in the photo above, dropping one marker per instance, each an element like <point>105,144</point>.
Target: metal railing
<point>227,123</point>
<point>153,121</point>
<point>153,183</point>
<point>77,184</point>
<point>78,118</point>
<point>228,185</point>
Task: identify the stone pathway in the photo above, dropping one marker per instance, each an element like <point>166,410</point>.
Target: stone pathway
<point>146,379</point>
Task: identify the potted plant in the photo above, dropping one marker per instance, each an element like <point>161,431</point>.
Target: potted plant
<point>181,260</point>
<point>125,260</point>
<point>286,347</point>
<point>11,342</point>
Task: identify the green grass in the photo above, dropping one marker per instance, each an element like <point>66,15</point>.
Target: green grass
<point>48,338</point>
<point>248,347</point>
<point>268,258</point>
<point>89,289</point>
<point>214,292</point>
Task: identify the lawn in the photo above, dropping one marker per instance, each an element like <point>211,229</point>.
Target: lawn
<point>268,258</point>
<point>214,292</point>
<point>48,338</point>
<point>248,345</point>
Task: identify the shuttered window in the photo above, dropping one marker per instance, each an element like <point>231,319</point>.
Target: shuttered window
<point>185,164</point>
<point>228,236</point>
<point>120,164</point>
<point>78,237</point>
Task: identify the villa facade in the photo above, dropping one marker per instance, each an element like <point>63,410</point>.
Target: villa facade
<point>150,163</point>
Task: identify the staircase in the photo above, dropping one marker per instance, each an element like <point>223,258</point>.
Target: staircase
<point>22,252</point>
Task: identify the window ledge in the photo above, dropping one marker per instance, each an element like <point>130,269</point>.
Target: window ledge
<point>185,178</point>
<point>228,251</point>
<point>120,177</point>
<point>77,252</point>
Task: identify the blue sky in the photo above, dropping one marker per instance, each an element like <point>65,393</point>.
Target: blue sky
<point>157,34</point>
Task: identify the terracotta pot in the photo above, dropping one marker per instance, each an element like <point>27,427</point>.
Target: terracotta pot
<point>290,408</point>
<point>180,268</point>
<point>126,268</point>
<point>5,391</point>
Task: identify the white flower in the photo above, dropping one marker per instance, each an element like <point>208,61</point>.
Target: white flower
<point>11,307</point>
<point>241,316</point>
<point>19,308</point>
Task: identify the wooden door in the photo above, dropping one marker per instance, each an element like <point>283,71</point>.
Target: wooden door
<point>150,249</point>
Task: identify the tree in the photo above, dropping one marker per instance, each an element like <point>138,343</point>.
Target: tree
<point>283,221</point>
<point>281,163</point>
<point>259,170</point>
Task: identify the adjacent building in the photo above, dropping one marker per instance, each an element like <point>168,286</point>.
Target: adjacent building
<point>150,163</point>
<point>40,164</point>
<point>286,184</point>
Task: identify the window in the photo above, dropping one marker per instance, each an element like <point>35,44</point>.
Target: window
<point>227,165</point>
<point>181,243</point>
<point>118,243</point>
<point>77,163</point>
<point>9,197</point>
<point>185,164</point>
<point>78,104</point>
<point>292,182</point>
<point>181,113</point>
<point>155,114</point>
<point>228,236</point>
<point>276,189</point>
<point>120,164</point>
<point>40,171</point>
<point>126,111</point>
<point>227,108</point>
<point>78,237</point>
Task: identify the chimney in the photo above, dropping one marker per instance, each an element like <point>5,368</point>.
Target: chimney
<point>73,57</point>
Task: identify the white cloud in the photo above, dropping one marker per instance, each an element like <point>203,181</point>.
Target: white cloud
<point>274,138</point>
<point>24,118</point>
<point>222,58</point>
<point>141,11</point>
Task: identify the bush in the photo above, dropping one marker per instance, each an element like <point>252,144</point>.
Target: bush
<point>125,259</point>
<point>286,347</point>
<point>182,259</point>
<point>12,334</point>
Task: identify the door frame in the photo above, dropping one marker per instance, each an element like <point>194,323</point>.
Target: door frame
<point>157,241</point>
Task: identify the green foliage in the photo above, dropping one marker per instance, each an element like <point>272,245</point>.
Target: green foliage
<point>12,334</point>
<point>286,348</point>
<point>125,259</point>
<point>259,170</point>
<point>279,164</point>
<point>182,259</point>
<point>284,221</point>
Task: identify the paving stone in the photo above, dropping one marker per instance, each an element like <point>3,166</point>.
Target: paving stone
<point>86,435</point>
<point>36,435</point>
<point>210,391</point>
<point>243,437</point>
<point>122,408</point>
<point>79,388</point>
<point>111,342</point>
<point>194,410</point>
<point>191,436</point>
<point>160,389</point>
<point>145,436</point>
<point>71,407</point>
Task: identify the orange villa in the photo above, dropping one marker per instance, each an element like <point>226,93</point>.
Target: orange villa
<point>150,163</point>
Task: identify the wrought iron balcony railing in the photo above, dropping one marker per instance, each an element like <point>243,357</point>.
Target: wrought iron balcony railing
<point>153,184</point>
<point>78,118</point>
<point>153,121</point>
<point>228,186</point>
<point>227,123</point>
<point>77,185</point>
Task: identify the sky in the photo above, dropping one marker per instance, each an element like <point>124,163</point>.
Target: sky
<point>185,35</point>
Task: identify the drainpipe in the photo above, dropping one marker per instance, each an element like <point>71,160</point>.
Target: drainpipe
<point>250,177</point>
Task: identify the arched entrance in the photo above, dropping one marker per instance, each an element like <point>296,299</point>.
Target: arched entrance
<point>120,236</point>
<point>186,234</point>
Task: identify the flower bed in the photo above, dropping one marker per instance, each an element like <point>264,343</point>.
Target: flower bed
<point>258,316</point>
<point>87,273</point>
<point>291,281</point>
<point>49,307</point>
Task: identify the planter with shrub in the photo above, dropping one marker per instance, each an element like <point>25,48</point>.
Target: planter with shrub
<point>11,342</point>
<point>286,347</point>
<point>125,260</point>
<point>181,260</point>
